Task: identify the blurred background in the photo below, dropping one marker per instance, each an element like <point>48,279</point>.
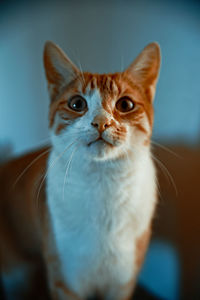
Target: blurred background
<point>105,36</point>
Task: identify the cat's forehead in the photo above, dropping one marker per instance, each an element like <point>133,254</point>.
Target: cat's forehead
<point>106,88</point>
<point>109,85</point>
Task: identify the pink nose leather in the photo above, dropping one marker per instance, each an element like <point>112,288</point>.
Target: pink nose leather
<point>101,123</point>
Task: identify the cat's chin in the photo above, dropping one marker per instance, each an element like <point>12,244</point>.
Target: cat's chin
<point>100,150</point>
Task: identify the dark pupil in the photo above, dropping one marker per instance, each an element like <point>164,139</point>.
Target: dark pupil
<point>125,105</point>
<point>78,104</point>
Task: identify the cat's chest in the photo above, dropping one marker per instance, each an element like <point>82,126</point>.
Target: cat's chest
<point>89,205</point>
<point>80,196</point>
<point>95,218</point>
<point>92,221</point>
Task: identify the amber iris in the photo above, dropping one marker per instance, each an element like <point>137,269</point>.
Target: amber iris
<point>125,104</point>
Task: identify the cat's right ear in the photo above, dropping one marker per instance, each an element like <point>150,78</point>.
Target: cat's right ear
<point>145,68</point>
<point>59,69</point>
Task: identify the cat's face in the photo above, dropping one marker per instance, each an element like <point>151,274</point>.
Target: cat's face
<point>106,116</point>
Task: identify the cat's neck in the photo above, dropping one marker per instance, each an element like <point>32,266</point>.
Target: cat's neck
<point>90,186</point>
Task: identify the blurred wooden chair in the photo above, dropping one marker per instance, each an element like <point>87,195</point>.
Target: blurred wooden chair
<point>177,218</point>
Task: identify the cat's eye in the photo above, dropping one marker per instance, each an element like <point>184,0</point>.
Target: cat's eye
<point>77,103</point>
<point>125,104</point>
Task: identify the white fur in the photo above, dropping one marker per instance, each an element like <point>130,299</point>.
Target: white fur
<point>99,209</point>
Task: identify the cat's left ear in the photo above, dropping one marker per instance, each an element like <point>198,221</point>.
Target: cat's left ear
<point>59,69</point>
<point>145,68</point>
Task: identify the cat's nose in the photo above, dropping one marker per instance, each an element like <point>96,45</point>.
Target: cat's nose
<point>101,123</point>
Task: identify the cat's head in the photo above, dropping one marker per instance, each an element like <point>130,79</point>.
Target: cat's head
<point>106,115</point>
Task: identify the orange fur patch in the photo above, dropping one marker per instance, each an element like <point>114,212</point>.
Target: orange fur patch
<point>60,285</point>
<point>112,87</point>
<point>141,247</point>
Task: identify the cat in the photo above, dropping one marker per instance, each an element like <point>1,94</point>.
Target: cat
<point>81,210</point>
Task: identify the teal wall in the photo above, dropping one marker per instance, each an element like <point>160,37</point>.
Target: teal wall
<point>104,36</point>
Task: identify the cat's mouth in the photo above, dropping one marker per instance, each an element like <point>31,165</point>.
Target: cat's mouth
<point>100,139</point>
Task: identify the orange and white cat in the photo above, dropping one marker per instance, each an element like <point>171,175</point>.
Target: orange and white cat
<point>92,224</point>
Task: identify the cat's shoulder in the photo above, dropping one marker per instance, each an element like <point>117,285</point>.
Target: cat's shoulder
<point>20,177</point>
<point>29,161</point>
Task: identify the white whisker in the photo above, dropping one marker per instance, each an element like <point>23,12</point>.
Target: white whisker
<point>166,171</point>
<point>166,149</point>
<point>80,68</point>
<point>28,167</point>
<point>67,170</point>
<point>50,167</point>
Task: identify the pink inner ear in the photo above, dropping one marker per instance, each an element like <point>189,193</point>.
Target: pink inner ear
<point>52,75</point>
